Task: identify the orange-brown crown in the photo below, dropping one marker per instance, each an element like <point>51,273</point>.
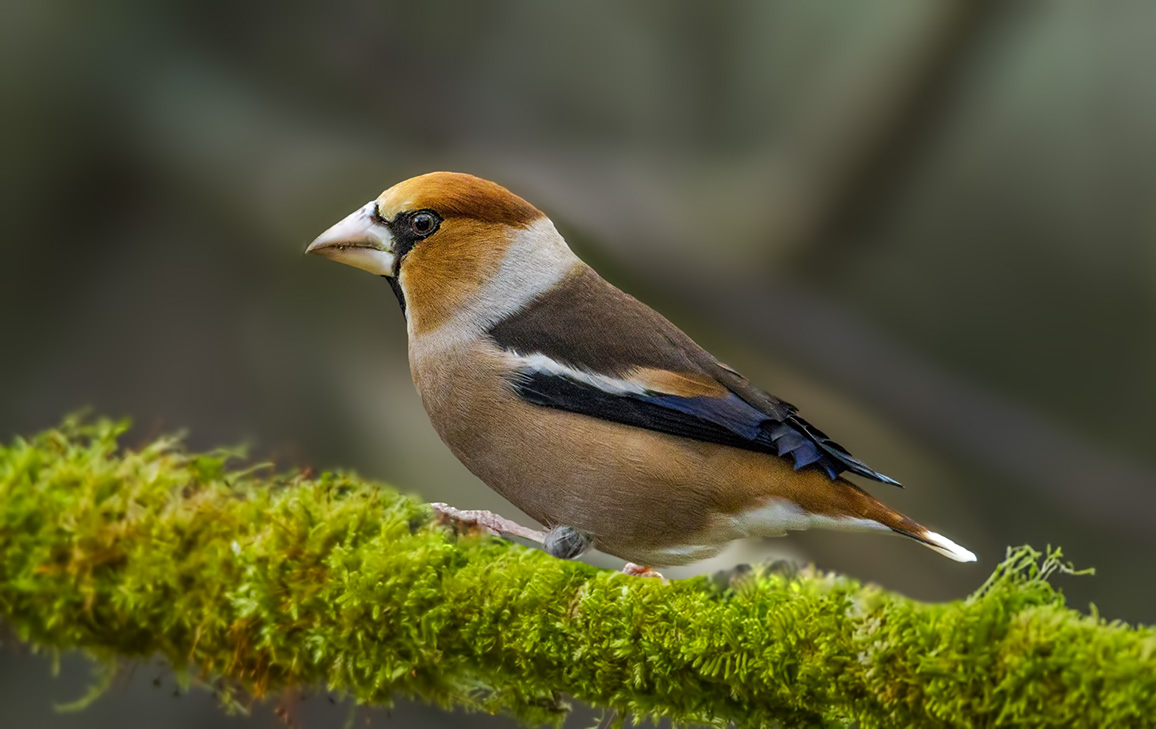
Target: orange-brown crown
<point>455,194</point>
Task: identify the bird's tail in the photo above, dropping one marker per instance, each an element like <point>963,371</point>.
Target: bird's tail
<point>936,541</point>
<point>900,524</point>
<point>861,504</point>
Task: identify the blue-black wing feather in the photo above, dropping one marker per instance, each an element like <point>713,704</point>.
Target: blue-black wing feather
<point>727,420</point>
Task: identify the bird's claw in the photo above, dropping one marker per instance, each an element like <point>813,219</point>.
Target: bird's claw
<point>638,570</point>
<point>565,542</point>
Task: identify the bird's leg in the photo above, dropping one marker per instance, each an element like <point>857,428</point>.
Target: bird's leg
<point>566,542</point>
<point>640,571</point>
<point>488,520</point>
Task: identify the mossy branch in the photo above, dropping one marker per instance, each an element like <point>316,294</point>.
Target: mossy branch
<point>258,582</point>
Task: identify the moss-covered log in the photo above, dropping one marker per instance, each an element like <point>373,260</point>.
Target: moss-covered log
<point>260,582</point>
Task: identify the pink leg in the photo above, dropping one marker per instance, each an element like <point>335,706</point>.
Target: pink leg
<point>489,521</point>
<point>640,571</point>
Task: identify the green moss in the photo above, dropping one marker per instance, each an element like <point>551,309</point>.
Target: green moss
<point>256,582</point>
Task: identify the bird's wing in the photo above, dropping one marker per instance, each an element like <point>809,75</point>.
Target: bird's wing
<point>588,348</point>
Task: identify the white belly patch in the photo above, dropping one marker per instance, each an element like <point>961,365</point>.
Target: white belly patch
<point>777,516</point>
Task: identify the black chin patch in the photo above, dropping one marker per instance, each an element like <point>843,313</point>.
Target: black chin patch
<point>396,286</point>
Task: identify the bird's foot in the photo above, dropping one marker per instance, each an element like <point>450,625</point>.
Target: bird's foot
<point>565,542</point>
<point>638,570</point>
<point>487,520</point>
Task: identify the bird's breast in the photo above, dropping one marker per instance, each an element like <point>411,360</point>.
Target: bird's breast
<point>560,467</point>
<point>642,495</point>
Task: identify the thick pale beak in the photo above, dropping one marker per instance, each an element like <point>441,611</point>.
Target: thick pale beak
<point>359,240</point>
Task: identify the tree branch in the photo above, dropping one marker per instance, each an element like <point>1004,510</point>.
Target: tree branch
<point>258,582</point>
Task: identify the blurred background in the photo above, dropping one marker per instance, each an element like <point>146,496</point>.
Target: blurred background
<point>931,226</point>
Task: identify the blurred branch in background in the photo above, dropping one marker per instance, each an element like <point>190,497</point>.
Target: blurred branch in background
<point>854,131</point>
<point>260,583</point>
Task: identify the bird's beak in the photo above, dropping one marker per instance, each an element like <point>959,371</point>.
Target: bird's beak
<point>360,240</point>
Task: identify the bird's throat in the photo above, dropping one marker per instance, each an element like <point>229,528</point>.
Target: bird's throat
<point>397,291</point>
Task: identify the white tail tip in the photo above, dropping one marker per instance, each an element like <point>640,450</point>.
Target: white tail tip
<point>947,548</point>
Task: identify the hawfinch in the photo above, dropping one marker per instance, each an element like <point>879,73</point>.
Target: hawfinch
<point>582,406</point>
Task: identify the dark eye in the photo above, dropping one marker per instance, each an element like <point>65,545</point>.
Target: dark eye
<point>423,223</point>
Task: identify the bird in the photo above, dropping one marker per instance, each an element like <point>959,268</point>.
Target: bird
<point>581,405</point>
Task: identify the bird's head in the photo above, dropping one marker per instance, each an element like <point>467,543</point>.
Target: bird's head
<point>441,238</point>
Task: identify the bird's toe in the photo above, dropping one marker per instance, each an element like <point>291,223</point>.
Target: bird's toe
<point>638,570</point>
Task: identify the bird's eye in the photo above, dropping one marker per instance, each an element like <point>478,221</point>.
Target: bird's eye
<point>423,223</point>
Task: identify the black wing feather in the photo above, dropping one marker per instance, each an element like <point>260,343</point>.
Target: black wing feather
<point>729,421</point>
